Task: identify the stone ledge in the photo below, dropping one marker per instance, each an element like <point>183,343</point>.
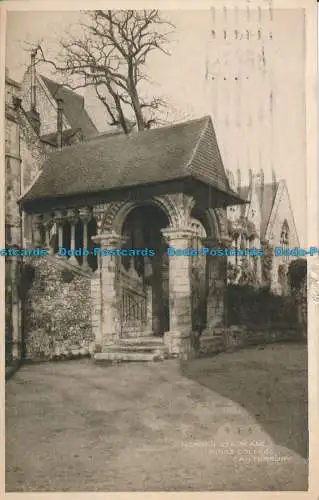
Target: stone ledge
<point>237,337</point>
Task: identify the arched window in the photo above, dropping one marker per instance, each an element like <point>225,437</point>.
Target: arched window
<point>284,238</point>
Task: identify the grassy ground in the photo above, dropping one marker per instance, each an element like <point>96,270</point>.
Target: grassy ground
<point>232,422</point>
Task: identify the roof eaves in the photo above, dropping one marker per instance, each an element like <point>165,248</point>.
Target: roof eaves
<point>229,192</point>
<point>24,195</point>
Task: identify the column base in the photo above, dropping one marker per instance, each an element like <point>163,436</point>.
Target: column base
<point>85,266</point>
<point>212,341</point>
<point>73,260</point>
<point>179,345</point>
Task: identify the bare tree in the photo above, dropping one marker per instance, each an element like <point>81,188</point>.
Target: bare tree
<point>110,55</point>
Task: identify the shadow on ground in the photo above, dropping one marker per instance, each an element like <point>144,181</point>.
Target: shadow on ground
<point>270,382</point>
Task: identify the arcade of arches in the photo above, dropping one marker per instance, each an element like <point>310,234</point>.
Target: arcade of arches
<point>178,298</point>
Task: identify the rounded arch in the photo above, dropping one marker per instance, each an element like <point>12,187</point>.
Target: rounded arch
<point>116,223</point>
<point>208,220</point>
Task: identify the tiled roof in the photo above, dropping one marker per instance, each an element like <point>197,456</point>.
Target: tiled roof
<point>74,109</point>
<point>111,161</point>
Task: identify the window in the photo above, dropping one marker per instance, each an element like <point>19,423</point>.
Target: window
<point>284,238</point>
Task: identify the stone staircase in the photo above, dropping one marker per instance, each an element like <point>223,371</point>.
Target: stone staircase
<point>134,349</point>
<point>66,264</point>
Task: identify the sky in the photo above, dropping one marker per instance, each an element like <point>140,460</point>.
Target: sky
<point>180,78</point>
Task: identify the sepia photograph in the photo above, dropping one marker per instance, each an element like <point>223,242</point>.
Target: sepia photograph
<point>155,248</point>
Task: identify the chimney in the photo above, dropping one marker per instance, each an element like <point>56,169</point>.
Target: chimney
<point>238,180</point>
<point>33,81</point>
<point>33,113</point>
<point>60,123</point>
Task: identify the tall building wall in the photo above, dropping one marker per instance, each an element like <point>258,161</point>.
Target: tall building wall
<point>240,85</point>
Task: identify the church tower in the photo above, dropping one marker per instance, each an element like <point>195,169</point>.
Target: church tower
<point>239,83</point>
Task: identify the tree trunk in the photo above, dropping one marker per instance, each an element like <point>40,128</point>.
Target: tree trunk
<point>135,99</point>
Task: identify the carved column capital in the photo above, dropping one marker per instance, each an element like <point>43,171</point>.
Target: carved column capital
<point>177,234</point>
<point>84,213</point>
<point>110,239</point>
<point>59,216</point>
<point>72,215</point>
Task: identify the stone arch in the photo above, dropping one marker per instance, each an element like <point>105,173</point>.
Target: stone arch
<point>119,212</point>
<point>209,221</point>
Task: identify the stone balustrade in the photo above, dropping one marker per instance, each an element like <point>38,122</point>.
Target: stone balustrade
<point>71,229</point>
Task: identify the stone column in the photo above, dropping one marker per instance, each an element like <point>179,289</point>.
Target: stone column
<point>59,222</point>
<point>149,309</point>
<point>47,237</point>
<point>97,309</point>
<point>36,225</point>
<point>109,321</point>
<point>84,215</point>
<point>72,217</point>
<point>179,337</point>
<point>216,269</point>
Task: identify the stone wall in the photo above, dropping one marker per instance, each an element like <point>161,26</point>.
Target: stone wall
<point>57,311</point>
<point>46,105</point>
<point>33,152</point>
<point>237,337</point>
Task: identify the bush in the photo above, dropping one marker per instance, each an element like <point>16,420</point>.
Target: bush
<point>250,306</point>
<point>297,274</point>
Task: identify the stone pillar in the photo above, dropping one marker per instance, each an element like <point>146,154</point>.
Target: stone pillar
<point>97,309</point>
<point>59,222</point>
<point>109,323</point>
<point>211,339</point>
<point>47,237</point>
<point>179,337</point>
<point>149,309</point>
<point>72,217</point>
<point>84,215</point>
<point>36,230</point>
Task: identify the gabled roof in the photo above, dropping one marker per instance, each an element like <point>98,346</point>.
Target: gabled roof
<point>106,162</point>
<point>266,200</point>
<point>74,109</point>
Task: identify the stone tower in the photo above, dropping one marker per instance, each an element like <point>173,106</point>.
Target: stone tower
<point>239,82</point>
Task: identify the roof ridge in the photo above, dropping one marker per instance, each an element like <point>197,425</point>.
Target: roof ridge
<point>173,125</point>
<point>107,135</point>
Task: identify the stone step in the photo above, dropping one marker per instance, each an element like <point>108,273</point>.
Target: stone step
<point>127,356</point>
<point>156,341</point>
<point>135,348</point>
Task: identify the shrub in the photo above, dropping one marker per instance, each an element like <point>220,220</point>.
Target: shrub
<point>248,305</point>
<point>297,274</point>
